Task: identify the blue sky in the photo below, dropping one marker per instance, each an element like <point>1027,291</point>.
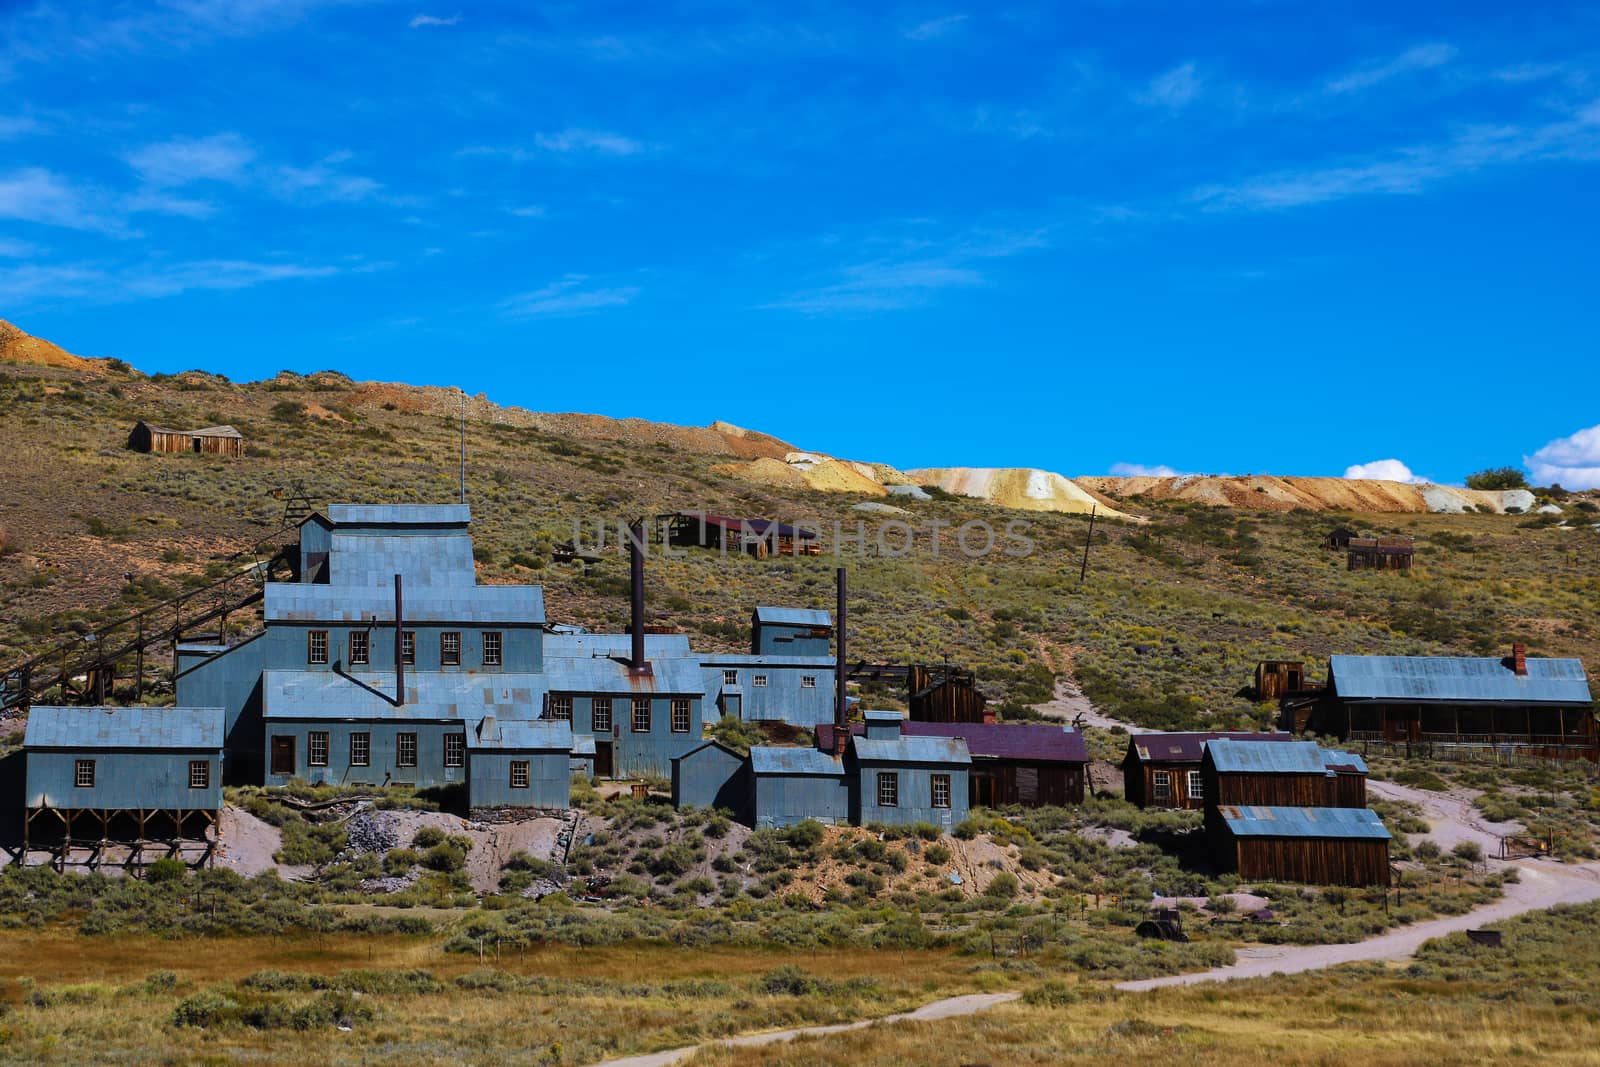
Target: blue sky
<point>1244,238</point>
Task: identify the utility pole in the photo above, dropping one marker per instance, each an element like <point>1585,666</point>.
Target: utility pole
<point>1083,571</point>
<point>463,446</point>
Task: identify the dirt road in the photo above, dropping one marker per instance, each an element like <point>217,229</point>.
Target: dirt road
<point>949,1008</point>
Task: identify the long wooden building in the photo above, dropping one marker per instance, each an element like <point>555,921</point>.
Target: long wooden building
<point>1283,843</point>
<point>1299,774</point>
<point>1530,705</point>
<point>210,440</point>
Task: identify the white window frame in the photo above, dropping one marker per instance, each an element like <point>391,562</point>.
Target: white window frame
<point>199,774</point>
<point>361,741</point>
<point>401,742</point>
<point>455,750</point>
<point>640,703</point>
<point>316,646</point>
<point>888,789</point>
<point>808,681</point>
<point>1197,786</point>
<point>1160,785</point>
<point>314,740</point>
<point>938,783</point>
<point>360,648</point>
<point>730,677</point>
<point>521,768</point>
<point>681,720</point>
<point>450,656</point>
<point>497,657</point>
<point>596,705</point>
<point>408,648</point>
<point>758,682</point>
<point>561,707</point>
<point>83,774</point>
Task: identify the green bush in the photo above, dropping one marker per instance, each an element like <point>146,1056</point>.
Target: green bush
<point>166,869</point>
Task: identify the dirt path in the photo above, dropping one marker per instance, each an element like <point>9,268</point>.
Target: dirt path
<point>948,1008</point>
<point>1543,884</point>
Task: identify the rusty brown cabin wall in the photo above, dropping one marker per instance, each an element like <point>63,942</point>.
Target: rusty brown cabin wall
<point>954,701</point>
<point>1347,789</point>
<point>184,443</point>
<point>1315,861</point>
<point>1002,782</point>
<point>1266,790</point>
<point>1143,777</point>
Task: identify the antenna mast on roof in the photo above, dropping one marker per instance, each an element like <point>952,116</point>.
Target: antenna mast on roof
<point>463,446</point>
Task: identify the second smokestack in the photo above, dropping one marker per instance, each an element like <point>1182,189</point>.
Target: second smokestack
<point>636,660</point>
<point>841,716</point>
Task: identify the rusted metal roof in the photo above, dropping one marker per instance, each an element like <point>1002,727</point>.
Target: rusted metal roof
<point>1188,747</point>
<point>776,759</point>
<point>1458,679</point>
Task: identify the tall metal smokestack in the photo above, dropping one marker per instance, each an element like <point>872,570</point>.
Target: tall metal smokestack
<point>841,717</point>
<point>399,647</point>
<point>636,660</point>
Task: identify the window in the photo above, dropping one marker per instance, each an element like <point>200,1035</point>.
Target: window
<point>492,648</point>
<point>941,790</point>
<point>361,750</point>
<point>519,774</point>
<point>405,750</point>
<point>1162,783</point>
<point>1197,789</point>
<point>641,715</point>
<point>808,681</point>
<point>317,646</point>
<point>83,774</point>
<point>455,750</point>
<point>450,648</point>
<point>680,715</point>
<point>199,774</point>
<point>408,648</point>
<point>317,748</point>
<point>730,677</point>
<point>561,708</point>
<point>360,647</point>
<point>888,789</point>
<point>602,715</point>
<point>759,681</point>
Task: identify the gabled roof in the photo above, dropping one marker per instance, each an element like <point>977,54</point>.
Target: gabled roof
<point>1250,820</point>
<point>204,431</point>
<point>709,743</point>
<point>579,646</point>
<point>1339,760</point>
<point>669,676</point>
<point>1034,742</point>
<point>759,527</point>
<point>510,605</point>
<point>1188,747</point>
<point>767,613</point>
<point>911,750</point>
<point>521,735</point>
<point>192,729</point>
<point>778,760</point>
<point>1458,679</point>
<point>399,514</point>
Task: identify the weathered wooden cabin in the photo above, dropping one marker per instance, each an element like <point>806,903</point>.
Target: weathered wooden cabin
<point>1315,845</point>
<point>1163,770</point>
<point>755,537</point>
<point>1380,553</point>
<point>210,440</point>
<point>1339,537</point>
<point>942,693</point>
<point>1278,678</point>
<point>1297,774</point>
<point>1535,706</point>
<point>135,775</point>
<point>1032,764</point>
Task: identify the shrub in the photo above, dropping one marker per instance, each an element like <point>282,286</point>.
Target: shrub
<point>427,837</point>
<point>1497,478</point>
<point>937,854</point>
<point>166,869</point>
<point>1002,886</point>
<point>288,411</point>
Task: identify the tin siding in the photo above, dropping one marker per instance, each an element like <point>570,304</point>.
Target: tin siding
<point>123,780</point>
<point>429,771</point>
<point>916,795</point>
<point>489,780</point>
<point>713,777</point>
<point>783,800</point>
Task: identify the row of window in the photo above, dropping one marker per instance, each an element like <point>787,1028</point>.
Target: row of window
<point>600,713</point>
<point>1161,783</point>
<point>759,681</point>
<point>405,750</point>
<point>889,790</point>
<point>199,774</point>
<point>359,651</point>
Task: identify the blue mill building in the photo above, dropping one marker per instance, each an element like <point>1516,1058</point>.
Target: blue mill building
<point>384,662</point>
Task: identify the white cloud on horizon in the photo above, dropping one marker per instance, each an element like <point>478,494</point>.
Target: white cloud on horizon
<point>1418,57</point>
<point>567,296</point>
<point>14,126</point>
<point>1141,470</point>
<point>603,142</point>
<point>43,197</point>
<point>424,21</point>
<point>31,282</point>
<point>11,249</point>
<point>1174,90</point>
<point>1388,470</point>
<point>1573,461</point>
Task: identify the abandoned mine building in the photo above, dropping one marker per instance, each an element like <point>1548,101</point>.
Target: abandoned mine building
<point>1535,706</point>
<point>754,537</point>
<point>211,440</point>
<point>1380,553</point>
<point>1162,770</point>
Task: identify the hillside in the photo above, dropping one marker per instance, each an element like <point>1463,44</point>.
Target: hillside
<point>1166,629</point>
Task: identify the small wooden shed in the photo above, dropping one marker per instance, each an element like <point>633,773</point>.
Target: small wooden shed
<point>208,440</point>
<point>1163,770</point>
<point>1319,846</point>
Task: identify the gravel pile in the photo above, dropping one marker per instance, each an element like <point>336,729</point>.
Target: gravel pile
<point>371,832</point>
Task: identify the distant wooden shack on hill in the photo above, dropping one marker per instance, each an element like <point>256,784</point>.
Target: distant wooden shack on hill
<point>756,537</point>
<point>211,440</point>
<point>1380,553</point>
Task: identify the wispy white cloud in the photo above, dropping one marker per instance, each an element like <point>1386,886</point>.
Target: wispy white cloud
<point>84,281</point>
<point>1420,57</point>
<point>1573,461</point>
<point>601,142</point>
<point>919,264</point>
<point>12,249</point>
<point>1410,170</point>
<point>13,126</point>
<point>322,182</point>
<point>933,29</point>
<point>1388,470</point>
<point>222,157</point>
<point>1141,470</point>
<point>527,211</point>
<point>567,296</point>
<point>41,196</point>
<point>419,22</point>
<point>1174,90</point>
